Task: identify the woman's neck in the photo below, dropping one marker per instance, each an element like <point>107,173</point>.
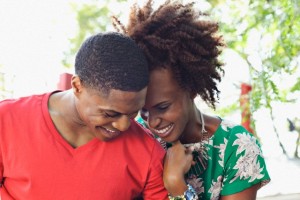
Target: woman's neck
<point>192,132</point>
<point>199,127</point>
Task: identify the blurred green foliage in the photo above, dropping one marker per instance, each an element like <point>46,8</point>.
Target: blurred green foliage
<point>92,17</point>
<point>275,25</point>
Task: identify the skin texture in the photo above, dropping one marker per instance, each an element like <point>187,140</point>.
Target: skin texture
<point>248,194</point>
<point>182,158</point>
<point>168,104</point>
<point>92,114</point>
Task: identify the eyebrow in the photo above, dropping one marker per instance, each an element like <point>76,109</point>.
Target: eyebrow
<point>121,113</point>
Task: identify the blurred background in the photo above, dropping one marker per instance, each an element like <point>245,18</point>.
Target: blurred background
<point>260,88</point>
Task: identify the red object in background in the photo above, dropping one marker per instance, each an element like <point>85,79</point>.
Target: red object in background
<point>245,106</point>
<point>64,81</point>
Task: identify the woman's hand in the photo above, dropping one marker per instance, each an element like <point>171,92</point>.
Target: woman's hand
<point>178,161</point>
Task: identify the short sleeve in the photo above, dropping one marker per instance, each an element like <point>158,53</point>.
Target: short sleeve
<point>1,136</point>
<point>1,165</point>
<point>244,164</point>
<point>154,188</point>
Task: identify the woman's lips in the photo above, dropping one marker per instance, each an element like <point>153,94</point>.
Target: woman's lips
<point>164,132</point>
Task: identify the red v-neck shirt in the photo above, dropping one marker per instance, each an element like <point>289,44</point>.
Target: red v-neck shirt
<point>36,163</point>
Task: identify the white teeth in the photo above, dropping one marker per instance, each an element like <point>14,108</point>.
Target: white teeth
<point>111,131</point>
<point>164,130</point>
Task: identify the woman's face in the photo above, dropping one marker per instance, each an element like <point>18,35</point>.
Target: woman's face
<point>168,107</point>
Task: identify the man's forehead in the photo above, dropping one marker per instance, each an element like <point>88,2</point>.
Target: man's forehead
<point>124,102</point>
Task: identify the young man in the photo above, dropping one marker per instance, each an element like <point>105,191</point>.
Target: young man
<point>83,143</point>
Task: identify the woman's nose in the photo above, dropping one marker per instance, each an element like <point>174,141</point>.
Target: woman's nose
<point>153,121</point>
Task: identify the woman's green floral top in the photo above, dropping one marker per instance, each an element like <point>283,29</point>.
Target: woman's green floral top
<point>227,163</point>
<point>233,161</point>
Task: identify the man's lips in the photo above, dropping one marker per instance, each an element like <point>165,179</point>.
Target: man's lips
<point>108,132</point>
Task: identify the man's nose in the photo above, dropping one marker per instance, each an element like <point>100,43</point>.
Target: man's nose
<point>122,123</point>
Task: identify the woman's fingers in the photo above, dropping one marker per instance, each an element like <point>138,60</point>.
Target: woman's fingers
<point>177,142</point>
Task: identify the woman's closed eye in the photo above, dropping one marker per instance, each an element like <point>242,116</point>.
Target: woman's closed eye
<point>162,107</point>
<point>144,114</point>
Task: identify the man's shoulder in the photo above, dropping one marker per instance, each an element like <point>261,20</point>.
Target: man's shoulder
<point>137,128</point>
<point>19,104</point>
<point>17,100</point>
<point>144,135</point>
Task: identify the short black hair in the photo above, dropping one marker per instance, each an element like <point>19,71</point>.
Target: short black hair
<point>111,60</point>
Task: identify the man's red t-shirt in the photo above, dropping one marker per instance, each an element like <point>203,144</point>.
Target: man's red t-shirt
<point>36,163</point>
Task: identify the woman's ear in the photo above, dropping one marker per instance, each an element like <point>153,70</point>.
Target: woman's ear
<point>76,84</point>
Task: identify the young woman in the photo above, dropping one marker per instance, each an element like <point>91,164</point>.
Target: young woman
<point>206,155</point>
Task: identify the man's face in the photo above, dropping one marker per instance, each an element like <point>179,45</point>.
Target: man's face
<point>107,115</point>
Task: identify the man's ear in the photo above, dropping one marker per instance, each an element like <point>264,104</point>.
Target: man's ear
<point>76,84</point>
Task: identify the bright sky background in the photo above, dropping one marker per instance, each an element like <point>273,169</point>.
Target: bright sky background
<point>33,36</point>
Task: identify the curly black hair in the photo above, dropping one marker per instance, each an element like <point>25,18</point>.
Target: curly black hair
<point>112,61</point>
<point>178,37</point>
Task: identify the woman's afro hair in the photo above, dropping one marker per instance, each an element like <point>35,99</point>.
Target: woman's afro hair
<point>178,37</point>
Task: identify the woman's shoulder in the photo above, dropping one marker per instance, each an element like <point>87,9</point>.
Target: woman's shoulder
<point>230,132</point>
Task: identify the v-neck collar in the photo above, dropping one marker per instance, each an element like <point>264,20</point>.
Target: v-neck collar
<point>58,137</point>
